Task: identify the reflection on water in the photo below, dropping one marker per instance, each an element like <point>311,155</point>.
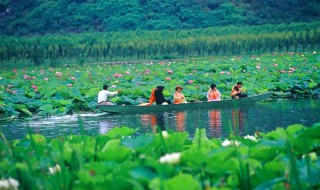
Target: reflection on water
<point>263,117</point>
<point>180,121</point>
<point>214,120</point>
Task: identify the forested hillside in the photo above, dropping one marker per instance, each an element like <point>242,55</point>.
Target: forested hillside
<point>37,17</point>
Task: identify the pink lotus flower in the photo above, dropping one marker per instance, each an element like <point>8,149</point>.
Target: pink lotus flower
<point>69,85</point>
<point>35,88</point>
<point>222,72</point>
<point>292,69</point>
<point>116,75</point>
<point>168,78</point>
<point>113,86</point>
<point>147,72</point>
<point>14,92</point>
<point>33,77</point>
<point>73,78</point>
<point>46,79</point>
<point>228,73</point>
<point>258,67</point>
<point>170,71</point>
<point>58,74</point>
<point>275,64</point>
<point>283,71</point>
<point>14,70</point>
<point>190,82</point>
<point>127,73</point>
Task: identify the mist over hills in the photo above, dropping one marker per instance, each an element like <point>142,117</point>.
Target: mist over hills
<point>38,17</point>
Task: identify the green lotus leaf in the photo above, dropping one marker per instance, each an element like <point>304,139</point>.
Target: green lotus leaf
<point>119,132</point>
<point>182,181</point>
<point>143,173</point>
<point>37,138</point>
<point>312,85</point>
<point>138,142</point>
<point>92,93</point>
<point>113,151</point>
<point>27,112</point>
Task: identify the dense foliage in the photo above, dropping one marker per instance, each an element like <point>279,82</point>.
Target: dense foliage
<point>59,90</point>
<point>161,44</point>
<point>281,159</point>
<point>33,17</point>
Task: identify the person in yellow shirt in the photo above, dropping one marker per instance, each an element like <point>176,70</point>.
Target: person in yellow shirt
<point>238,92</point>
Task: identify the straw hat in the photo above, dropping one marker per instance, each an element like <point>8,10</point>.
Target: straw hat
<point>179,87</point>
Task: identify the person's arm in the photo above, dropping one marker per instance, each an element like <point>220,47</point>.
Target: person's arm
<point>219,95</point>
<point>111,93</point>
<point>232,90</point>
<point>208,97</point>
<point>241,90</point>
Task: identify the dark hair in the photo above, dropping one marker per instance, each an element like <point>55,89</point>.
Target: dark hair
<point>212,86</point>
<point>160,88</point>
<point>239,83</point>
<point>236,88</point>
<point>105,87</point>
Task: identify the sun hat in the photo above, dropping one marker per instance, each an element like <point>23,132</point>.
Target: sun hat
<point>179,87</point>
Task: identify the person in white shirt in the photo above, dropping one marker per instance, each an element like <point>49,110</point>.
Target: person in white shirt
<point>103,95</point>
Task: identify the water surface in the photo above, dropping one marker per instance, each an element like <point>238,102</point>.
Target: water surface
<point>264,117</point>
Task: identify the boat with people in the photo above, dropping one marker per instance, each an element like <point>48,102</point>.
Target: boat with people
<point>250,100</point>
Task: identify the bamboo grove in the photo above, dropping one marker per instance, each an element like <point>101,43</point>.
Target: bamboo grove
<point>161,44</point>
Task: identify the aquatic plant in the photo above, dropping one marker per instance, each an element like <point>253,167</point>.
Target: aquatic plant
<point>57,91</point>
<point>121,159</point>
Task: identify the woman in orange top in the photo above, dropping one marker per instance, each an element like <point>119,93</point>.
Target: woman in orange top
<point>213,93</point>
<point>178,96</point>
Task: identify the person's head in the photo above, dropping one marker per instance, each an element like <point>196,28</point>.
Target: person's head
<point>160,88</point>
<point>213,86</point>
<point>179,88</point>
<point>105,87</point>
<point>236,88</point>
<point>239,84</point>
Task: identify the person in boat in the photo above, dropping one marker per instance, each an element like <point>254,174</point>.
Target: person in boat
<point>178,96</point>
<point>241,93</point>
<point>213,93</point>
<point>236,93</point>
<point>159,97</point>
<point>152,98</point>
<point>103,95</point>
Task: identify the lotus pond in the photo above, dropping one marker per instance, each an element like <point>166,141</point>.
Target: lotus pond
<point>68,88</point>
<point>120,159</point>
<point>264,117</point>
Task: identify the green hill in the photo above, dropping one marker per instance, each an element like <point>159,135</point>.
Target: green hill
<point>38,17</point>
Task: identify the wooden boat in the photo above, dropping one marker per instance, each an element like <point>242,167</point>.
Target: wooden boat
<point>181,107</point>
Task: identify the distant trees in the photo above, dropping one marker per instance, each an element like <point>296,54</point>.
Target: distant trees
<point>38,17</point>
<point>141,44</point>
